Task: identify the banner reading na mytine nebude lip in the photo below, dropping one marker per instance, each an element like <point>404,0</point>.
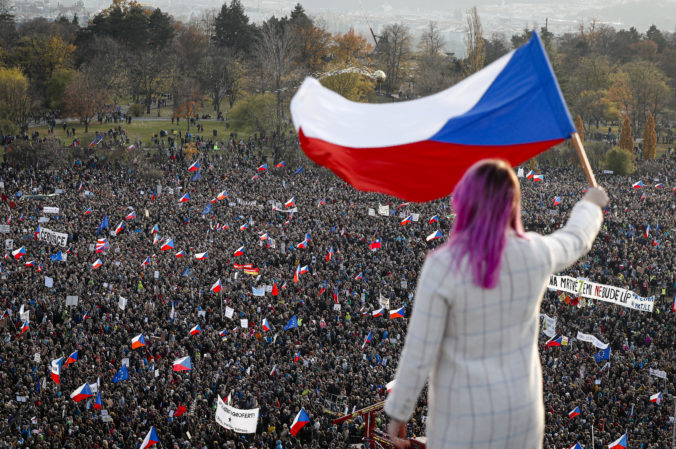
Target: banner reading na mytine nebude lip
<point>615,295</point>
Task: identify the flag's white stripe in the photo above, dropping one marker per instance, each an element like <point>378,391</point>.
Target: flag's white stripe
<point>325,115</point>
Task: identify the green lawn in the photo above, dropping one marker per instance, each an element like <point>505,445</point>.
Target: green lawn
<point>137,130</point>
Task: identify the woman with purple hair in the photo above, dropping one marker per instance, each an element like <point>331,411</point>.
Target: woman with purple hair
<point>474,326</point>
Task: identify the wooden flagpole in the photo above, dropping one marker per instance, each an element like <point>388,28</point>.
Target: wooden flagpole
<point>577,142</point>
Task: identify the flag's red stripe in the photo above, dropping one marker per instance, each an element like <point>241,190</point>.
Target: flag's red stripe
<point>420,171</point>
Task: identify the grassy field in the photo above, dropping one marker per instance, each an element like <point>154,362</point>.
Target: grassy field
<point>137,130</point>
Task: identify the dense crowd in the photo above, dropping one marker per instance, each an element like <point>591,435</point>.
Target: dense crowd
<point>324,364</point>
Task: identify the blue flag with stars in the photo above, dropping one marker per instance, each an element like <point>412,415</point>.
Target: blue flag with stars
<point>293,322</point>
<point>121,375</point>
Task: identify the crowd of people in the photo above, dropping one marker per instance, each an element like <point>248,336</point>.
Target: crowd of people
<point>325,364</point>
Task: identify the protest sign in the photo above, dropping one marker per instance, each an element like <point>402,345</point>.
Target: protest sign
<point>53,237</point>
<point>239,421</point>
<point>614,295</point>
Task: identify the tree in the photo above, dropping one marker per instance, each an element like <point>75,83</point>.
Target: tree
<point>232,29</point>
<point>352,86</point>
<point>186,99</point>
<point>639,88</point>
<point>393,49</point>
<point>84,99</point>
<point>40,56</point>
<point>350,47</point>
<point>219,74</point>
<point>649,138</point>
<point>435,73</point>
<point>620,161</point>
<point>626,139</point>
<point>8,34</point>
<point>314,45</point>
<point>496,47</point>
<point>431,42</point>
<point>56,86</point>
<point>474,41</point>
<point>276,51</point>
<point>255,113</point>
<point>15,102</point>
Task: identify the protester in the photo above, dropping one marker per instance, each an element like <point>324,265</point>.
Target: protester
<point>336,369</point>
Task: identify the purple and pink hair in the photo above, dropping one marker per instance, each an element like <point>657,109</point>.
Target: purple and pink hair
<point>487,202</point>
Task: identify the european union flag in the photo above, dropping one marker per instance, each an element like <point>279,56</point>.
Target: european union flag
<point>602,355</point>
<point>299,171</point>
<point>186,272</point>
<point>196,176</point>
<point>121,375</point>
<point>207,209</point>
<point>103,225</point>
<point>56,257</point>
<point>293,322</point>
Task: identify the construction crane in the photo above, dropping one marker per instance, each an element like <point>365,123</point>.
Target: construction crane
<point>374,438</point>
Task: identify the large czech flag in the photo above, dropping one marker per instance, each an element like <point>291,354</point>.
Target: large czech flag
<point>418,150</point>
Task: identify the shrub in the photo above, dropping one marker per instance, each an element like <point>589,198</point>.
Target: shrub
<point>620,162</point>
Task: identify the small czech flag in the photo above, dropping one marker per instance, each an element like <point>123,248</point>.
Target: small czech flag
<point>97,264</point>
<point>557,200</point>
<point>223,195</point>
<point>434,219</point>
<point>291,202</point>
<point>195,166</point>
<point>573,413</point>
<point>19,253</point>
<point>537,178</point>
<point>358,277</point>
<point>130,216</point>
<point>262,168</point>
<point>88,211</point>
<point>398,313</point>
<point>637,185</point>
<point>659,186</point>
<point>407,220</point>
<point>138,341</point>
<point>167,245</point>
<point>98,403</point>
<point>185,198</point>
<point>280,165</point>
<point>195,330</point>
<point>530,174</point>
<point>620,443</point>
<point>155,230</point>
<point>299,422</point>
<point>367,340</point>
<point>119,228</point>
<point>239,252</point>
<point>82,392</point>
<point>379,312</point>
<point>71,359</point>
<point>266,324</point>
<point>217,287</point>
<point>243,227</point>
<point>182,364</point>
<point>25,327</point>
<point>180,254</point>
<point>201,256</point>
<point>657,398</point>
<point>433,236</point>
<point>150,439</point>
